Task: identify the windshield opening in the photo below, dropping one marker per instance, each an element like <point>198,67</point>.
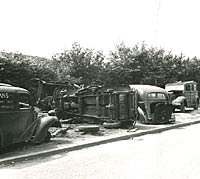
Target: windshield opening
<point>6,101</point>
<point>156,95</point>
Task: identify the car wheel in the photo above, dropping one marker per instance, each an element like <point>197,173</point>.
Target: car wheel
<point>111,125</point>
<point>48,137</point>
<point>196,105</point>
<point>182,107</point>
<point>127,124</point>
<point>88,128</point>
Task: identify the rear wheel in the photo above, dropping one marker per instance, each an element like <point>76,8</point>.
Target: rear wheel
<point>88,128</point>
<point>48,137</point>
<point>111,125</point>
<point>182,107</point>
<point>196,105</point>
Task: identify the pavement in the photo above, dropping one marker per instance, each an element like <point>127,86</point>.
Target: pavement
<point>66,141</point>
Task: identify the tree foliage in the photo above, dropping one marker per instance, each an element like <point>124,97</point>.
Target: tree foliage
<point>124,65</point>
<point>81,64</point>
<point>143,65</point>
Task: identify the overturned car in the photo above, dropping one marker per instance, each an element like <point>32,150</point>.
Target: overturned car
<point>154,106</point>
<point>111,105</point>
<point>19,121</point>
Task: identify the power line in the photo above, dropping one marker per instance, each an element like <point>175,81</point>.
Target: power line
<point>157,20</point>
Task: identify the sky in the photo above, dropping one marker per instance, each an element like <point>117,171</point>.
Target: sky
<point>46,27</point>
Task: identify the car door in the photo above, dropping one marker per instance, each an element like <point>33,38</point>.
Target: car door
<point>24,117</point>
<point>16,115</point>
<point>8,110</point>
<point>188,93</point>
<point>193,94</point>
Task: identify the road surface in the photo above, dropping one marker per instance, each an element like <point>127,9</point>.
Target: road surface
<point>172,154</point>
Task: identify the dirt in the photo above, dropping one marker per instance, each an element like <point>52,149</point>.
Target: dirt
<point>70,135</point>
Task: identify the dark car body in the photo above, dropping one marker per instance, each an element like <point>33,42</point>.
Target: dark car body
<point>184,94</point>
<point>154,106</point>
<point>19,121</point>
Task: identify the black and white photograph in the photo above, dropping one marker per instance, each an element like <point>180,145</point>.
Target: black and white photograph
<point>99,89</point>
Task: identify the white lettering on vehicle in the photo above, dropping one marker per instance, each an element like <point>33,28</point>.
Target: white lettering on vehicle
<point>4,95</point>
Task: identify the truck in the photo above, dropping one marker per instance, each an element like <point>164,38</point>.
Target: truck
<point>183,94</point>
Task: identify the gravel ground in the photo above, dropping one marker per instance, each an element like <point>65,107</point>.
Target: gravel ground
<point>69,135</point>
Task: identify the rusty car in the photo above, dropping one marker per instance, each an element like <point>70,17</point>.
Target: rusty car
<point>19,121</point>
<point>110,105</point>
<point>48,93</point>
<point>183,94</point>
<point>154,106</point>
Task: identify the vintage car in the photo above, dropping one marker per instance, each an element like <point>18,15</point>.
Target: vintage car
<point>48,93</point>
<point>111,105</point>
<point>183,94</point>
<point>154,106</point>
<point>19,121</point>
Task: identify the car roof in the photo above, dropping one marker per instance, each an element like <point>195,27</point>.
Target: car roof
<point>4,84</point>
<point>11,89</point>
<point>180,83</point>
<point>147,88</point>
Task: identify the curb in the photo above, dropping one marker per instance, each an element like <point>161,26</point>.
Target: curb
<point>12,160</point>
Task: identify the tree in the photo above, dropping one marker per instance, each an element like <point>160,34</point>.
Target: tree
<point>83,64</point>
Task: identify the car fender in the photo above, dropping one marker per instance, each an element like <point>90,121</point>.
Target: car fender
<point>41,130</point>
<point>142,117</point>
<point>178,100</point>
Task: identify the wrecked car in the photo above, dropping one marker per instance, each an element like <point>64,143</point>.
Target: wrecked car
<point>183,94</point>
<point>48,93</point>
<point>154,106</point>
<point>19,121</point>
<point>111,105</point>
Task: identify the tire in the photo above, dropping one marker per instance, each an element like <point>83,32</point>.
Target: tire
<point>48,137</point>
<point>127,124</point>
<point>182,107</point>
<point>111,125</point>
<point>196,105</point>
<point>88,128</point>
